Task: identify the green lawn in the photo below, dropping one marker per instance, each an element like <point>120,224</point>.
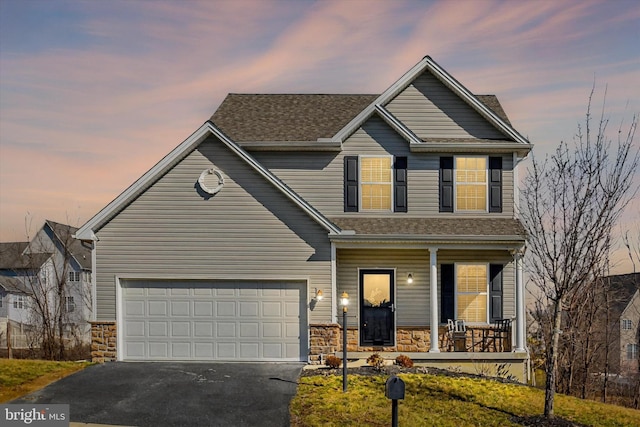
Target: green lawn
<point>433,400</point>
<point>19,377</point>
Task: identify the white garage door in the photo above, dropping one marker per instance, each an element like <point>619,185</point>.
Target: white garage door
<point>239,321</point>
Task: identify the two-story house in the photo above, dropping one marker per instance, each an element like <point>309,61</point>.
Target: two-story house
<point>240,242</point>
<point>35,274</point>
<point>624,289</point>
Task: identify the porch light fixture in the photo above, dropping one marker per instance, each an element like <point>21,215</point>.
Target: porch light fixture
<point>319,294</point>
<point>410,278</point>
<point>344,302</point>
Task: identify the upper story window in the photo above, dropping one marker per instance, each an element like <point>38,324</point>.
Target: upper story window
<point>74,276</point>
<point>375,183</point>
<point>626,324</point>
<point>470,184</point>
<point>18,301</point>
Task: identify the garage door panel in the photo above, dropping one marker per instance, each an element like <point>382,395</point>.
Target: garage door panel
<point>203,329</point>
<point>225,308</point>
<point>203,308</point>
<point>134,308</point>
<point>249,330</point>
<point>248,309</point>
<point>134,350</point>
<point>213,321</point>
<point>271,309</point>
<point>159,350</point>
<point>180,308</point>
<point>181,329</point>
<point>226,329</point>
<point>158,329</point>
<point>158,308</point>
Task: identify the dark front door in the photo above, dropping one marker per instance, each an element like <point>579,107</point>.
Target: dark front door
<point>377,308</point>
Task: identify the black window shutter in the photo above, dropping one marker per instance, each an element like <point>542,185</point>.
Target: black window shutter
<point>447,292</point>
<point>495,292</point>
<point>446,184</point>
<point>495,184</point>
<point>351,183</point>
<point>400,184</point>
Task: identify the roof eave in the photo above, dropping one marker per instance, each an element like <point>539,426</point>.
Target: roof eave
<point>471,147</point>
<point>322,144</point>
<point>350,235</point>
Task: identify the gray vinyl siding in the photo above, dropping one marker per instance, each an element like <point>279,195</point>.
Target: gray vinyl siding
<point>248,231</point>
<point>318,176</point>
<point>413,304</point>
<point>431,110</point>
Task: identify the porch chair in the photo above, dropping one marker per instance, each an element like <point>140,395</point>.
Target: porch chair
<point>498,335</point>
<point>457,333</point>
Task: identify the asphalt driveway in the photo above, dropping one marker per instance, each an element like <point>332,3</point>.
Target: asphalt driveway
<point>177,394</point>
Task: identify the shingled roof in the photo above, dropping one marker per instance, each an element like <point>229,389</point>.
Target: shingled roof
<point>13,259</point>
<point>298,117</point>
<point>78,249</point>
<point>432,226</point>
<point>282,117</point>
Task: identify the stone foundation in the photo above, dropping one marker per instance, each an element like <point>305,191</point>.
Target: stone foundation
<point>103,341</point>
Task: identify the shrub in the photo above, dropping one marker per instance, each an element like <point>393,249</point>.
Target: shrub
<point>332,361</point>
<point>404,361</point>
<point>376,361</point>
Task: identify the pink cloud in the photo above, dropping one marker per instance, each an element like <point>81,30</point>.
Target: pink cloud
<point>89,120</point>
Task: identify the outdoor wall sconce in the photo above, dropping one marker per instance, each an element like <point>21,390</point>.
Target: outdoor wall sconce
<point>409,278</point>
<point>319,295</point>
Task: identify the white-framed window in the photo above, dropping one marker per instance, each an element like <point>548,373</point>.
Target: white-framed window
<point>626,324</point>
<point>18,301</point>
<point>471,187</point>
<point>376,183</point>
<point>632,351</point>
<point>472,284</point>
<point>74,276</point>
<point>69,304</point>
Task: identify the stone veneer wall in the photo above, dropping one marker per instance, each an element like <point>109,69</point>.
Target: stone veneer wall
<point>327,339</point>
<point>103,341</point>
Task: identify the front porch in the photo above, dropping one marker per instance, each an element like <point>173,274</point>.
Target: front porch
<point>477,356</point>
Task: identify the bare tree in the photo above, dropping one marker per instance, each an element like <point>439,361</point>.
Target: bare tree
<point>572,201</point>
<point>57,294</point>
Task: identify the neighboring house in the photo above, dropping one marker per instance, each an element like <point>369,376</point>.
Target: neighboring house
<point>52,258</point>
<point>405,200</point>
<point>625,289</point>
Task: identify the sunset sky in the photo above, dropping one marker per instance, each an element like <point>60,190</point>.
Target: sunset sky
<point>94,93</point>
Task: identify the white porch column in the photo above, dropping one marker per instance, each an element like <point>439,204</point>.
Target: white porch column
<point>433,284</point>
<point>520,311</point>
<point>334,288</point>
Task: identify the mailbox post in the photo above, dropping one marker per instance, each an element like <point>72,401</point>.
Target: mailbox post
<point>394,390</point>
